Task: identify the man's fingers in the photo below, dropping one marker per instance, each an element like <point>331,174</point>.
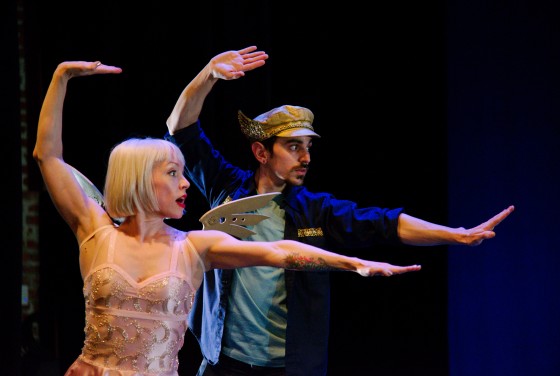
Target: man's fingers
<point>498,218</point>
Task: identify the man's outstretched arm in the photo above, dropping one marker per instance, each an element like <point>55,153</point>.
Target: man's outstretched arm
<point>415,231</point>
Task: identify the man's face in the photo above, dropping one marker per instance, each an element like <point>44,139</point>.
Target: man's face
<point>290,159</point>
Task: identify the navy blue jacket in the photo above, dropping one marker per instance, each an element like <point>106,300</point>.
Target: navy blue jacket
<point>318,219</point>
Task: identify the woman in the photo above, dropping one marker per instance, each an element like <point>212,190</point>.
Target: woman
<point>140,275</point>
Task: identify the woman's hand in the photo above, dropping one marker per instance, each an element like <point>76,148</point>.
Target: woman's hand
<point>383,269</point>
<point>86,68</point>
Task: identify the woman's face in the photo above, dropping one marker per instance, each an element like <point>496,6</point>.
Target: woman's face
<point>170,187</point>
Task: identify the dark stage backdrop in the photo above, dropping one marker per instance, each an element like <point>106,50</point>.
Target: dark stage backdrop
<point>503,118</point>
<point>444,108</point>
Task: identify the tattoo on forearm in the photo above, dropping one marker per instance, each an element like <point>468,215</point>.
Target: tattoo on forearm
<point>295,261</point>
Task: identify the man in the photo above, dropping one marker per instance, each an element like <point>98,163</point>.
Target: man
<point>276,322</point>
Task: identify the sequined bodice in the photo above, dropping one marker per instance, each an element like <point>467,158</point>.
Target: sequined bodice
<point>137,327</point>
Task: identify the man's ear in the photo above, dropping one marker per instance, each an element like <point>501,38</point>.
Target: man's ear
<point>260,152</point>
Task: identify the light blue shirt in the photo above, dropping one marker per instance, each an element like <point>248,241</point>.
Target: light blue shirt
<point>255,324</point>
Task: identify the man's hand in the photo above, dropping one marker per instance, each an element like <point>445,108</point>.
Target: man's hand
<point>231,65</point>
<point>478,234</point>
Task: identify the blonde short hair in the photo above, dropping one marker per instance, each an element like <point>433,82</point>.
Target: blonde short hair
<point>129,186</point>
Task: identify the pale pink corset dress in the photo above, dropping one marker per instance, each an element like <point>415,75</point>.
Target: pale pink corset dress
<point>135,328</point>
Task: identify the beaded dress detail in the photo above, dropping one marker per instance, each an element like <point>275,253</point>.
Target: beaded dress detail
<point>135,328</point>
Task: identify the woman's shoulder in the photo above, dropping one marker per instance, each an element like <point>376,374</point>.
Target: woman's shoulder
<point>103,229</point>
<point>206,235</point>
<point>203,240</point>
<point>176,234</point>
